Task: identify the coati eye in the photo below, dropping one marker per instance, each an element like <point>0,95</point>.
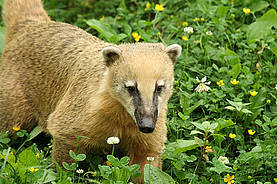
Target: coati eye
<point>160,85</point>
<point>131,86</point>
<point>131,89</point>
<point>159,89</point>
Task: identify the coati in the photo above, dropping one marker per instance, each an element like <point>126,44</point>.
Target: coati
<point>73,84</point>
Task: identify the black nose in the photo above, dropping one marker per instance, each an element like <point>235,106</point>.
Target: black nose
<point>146,129</point>
<point>147,125</point>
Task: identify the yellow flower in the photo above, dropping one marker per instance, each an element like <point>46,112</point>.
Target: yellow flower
<point>251,132</point>
<point>202,19</point>
<point>208,147</point>
<point>220,83</point>
<point>246,10</point>
<point>232,136</point>
<point>16,128</point>
<point>185,23</point>
<point>185,38</point>
<point>94,173</point>
<point>229,179</point>
<point>102,18</point>
<point>33,169</point>
<point>196,41</point>
<point>196,19</point>
<point>37,155</point>
<point>234,82</point>
<point>253,93</point>
<point>12,153</point>
<point>159,7</point>
<point>147,6</point>
<point>136,36</point>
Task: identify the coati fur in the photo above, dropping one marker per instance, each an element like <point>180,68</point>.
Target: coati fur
<point>73,84</point>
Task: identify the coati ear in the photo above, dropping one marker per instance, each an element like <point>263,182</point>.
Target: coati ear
<point>110,54</point>
<point>173,51</point>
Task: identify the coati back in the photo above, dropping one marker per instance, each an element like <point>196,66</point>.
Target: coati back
<point>73,84</point>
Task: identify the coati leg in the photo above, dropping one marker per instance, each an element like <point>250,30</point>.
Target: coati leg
<point>15,108</point>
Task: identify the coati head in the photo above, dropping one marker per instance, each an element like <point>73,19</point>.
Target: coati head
<point>141,78</point>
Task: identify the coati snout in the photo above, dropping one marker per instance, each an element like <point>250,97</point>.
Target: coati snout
<point>147,124</point>
<point>146,113</point>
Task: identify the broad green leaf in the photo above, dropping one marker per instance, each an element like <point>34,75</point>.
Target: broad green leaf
<point>234,60</point>
<point>80,157</point>
<point>104,29</point>
<point>181,115</point>
<point>246,111</point>
<point>26,159</point>
<point>48,176</point>
<point>156,176</point>
<point>236,69</point>
<point>258,5</point>
<point>220,167</point>
<point>35,132</point>
<point>182,145</point>
<point>5,140</point>
<point>113,160</point>
<point>223,124</point>
<point>127,29</point>
<point>213,126</point>
<point>273,48</point>
<point>231,57</point>
<point>66,166</point>
<point>230,108</point>
<point>222,11</point>
<point>134,170</point>
<point>198,141</point>
<point>263,26</point>
<point>274,122</point>
<point>234,104</point>
<point>72,154</point>
<point>198,125</point>
<point>120,37</point>
<point>196,132</point>
<point>206,125</point>
<point>124,160</point>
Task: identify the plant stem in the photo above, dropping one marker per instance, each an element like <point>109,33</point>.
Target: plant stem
<point>113,150</point>
<point>149,174</point>
<point>186,57</point>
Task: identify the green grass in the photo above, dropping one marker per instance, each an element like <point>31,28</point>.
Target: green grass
<point>241,46</point>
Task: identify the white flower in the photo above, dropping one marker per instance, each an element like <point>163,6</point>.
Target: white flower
<point>202,87</point>
<point>188,30</point>
<point>150,159</point>
<point>79,171</point>
<point>223,160</point>
<point>209,33</point>
<point>276,87</point>
<point>113,140</point>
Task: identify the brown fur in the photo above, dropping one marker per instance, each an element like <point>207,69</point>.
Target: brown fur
<point>54,74</point>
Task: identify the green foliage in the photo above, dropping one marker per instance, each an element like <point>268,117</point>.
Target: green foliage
<point>156,176</point>
<point>118,171</point>
<point>267,21</point>
<point>239,47</point>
